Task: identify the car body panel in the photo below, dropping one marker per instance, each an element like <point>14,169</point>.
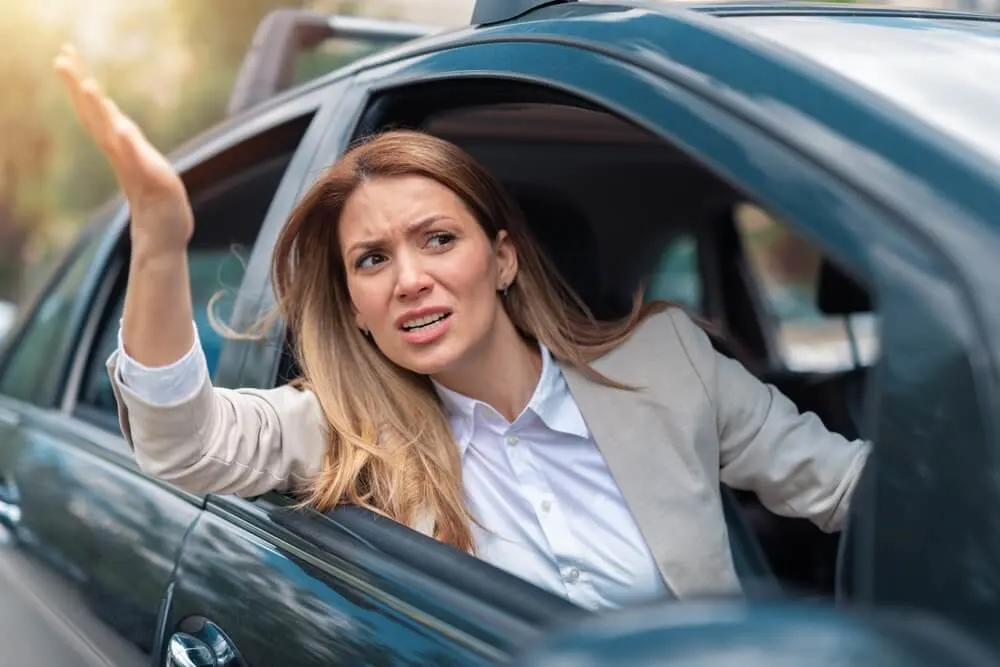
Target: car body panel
<point>95,541</point>
<point>282,601</point>
<point>729,634</point>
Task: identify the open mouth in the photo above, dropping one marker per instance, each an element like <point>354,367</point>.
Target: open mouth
<point>424,322</point>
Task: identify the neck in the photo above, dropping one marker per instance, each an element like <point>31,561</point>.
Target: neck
<point>503,374</point>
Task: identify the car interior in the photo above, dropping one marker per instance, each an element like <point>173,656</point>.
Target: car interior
<point>612,203</point>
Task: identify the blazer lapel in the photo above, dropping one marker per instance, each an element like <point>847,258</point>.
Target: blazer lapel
<point>672,503</point>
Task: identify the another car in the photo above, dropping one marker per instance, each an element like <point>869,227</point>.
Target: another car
<point>820,183</point>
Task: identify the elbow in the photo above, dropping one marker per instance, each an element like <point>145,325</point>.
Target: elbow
<point>846,492</point>
<point>183,472</point>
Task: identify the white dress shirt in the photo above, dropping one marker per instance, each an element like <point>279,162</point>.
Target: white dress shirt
<point>551,513</point>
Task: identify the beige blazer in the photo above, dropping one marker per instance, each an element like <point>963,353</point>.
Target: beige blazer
<point>699,417</point>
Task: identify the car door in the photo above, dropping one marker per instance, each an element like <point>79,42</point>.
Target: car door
<point>92,540</point>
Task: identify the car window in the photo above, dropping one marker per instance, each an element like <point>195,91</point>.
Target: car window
<point>786,269</point>
<point>231,195</point>
<point>677,277</point>
<point>30,373</point>
<point>214,271</point>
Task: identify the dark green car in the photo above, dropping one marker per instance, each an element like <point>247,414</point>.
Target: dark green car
<point>822,183</point>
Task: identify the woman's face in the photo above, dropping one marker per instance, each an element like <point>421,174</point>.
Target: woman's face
<point>422,274</point>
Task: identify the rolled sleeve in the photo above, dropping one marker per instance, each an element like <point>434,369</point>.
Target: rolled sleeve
<point>163,385</point>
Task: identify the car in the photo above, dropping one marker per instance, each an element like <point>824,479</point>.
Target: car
<point>817,183</point>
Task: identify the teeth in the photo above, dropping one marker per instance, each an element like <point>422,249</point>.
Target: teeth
<point>423,321</point>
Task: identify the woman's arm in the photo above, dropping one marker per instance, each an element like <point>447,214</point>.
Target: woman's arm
<point>158,308</point>
<point>210,440</point>
<point>789,459</point>
<point>200,438</point>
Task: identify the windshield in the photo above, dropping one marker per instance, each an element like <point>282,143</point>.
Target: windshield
<point>944,72</point>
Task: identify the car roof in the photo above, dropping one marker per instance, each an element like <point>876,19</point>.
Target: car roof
<point>588,23</point>
<point>941,70</point>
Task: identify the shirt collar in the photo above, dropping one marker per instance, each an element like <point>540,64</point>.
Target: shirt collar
<point>551,402</point>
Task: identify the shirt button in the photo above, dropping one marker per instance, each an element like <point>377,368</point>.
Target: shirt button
<point>511,440</point>
<point>572,575</point>
<point>546,505</point>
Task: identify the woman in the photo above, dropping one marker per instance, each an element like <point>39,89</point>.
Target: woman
<point>451,381</point>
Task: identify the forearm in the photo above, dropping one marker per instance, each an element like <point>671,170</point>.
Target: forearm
<point>156,322</point>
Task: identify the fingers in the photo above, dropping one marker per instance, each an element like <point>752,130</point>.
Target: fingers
<point>114,132</point>
<point>137,165</point>
<point>87,98</point>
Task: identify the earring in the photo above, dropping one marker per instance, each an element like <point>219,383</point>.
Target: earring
<point>503,291</point>
<point>364,330</point>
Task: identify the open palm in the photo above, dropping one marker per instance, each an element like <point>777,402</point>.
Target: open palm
<point>161,212</point>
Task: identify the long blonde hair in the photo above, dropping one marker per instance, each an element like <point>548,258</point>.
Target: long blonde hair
<point>390,447</point>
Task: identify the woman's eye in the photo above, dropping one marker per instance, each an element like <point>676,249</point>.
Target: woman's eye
<point>369,260</point>
<point>440,239</point>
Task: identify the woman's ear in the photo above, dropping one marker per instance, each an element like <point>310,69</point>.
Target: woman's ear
<point>506,259</point>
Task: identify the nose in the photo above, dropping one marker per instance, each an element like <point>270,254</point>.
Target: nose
<point>412,280</point>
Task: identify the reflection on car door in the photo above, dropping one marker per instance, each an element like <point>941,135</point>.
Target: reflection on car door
<point>274,599</point>
<point>89,542</point>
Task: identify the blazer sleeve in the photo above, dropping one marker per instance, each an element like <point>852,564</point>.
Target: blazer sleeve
<point>789,459</point>
<point>244,441</point>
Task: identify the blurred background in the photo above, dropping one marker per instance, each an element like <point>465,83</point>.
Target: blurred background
<point>170,64</point>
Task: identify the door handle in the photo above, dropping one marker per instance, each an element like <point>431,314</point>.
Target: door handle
<point>186,650</point>
<point>205,645</point>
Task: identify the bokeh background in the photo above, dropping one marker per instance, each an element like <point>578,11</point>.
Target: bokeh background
<point>170,64</point>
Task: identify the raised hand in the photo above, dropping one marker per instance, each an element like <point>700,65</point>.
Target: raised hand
<point>161,212</point>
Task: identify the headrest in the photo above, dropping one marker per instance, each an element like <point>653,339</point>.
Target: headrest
<point>839,294</point>
<point>567,237</point>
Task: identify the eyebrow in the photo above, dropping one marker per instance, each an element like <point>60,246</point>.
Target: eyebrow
<point>411,228</point>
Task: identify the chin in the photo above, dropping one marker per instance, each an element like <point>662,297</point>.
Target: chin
<point>431,362</point>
